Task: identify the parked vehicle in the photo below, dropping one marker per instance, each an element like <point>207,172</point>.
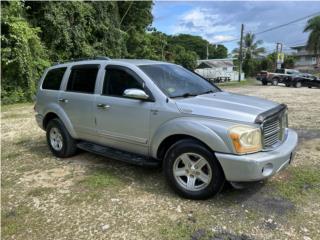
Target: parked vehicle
<point>154,113</point>
<point>302,80</point>
<point>276,77</point>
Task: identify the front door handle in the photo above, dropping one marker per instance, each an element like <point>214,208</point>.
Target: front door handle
<point>103,106</point>
<point>63,100</point>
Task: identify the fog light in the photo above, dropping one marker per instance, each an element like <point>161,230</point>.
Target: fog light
<point>267,170</point>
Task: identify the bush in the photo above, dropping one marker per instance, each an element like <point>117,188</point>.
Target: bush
<point>23,56</point>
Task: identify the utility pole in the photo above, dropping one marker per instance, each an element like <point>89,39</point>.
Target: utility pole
<point>279,57</point>
<point>207,51</point>
<point>240,52</point>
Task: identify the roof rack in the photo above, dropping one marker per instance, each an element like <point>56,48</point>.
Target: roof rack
<point>83,59</point>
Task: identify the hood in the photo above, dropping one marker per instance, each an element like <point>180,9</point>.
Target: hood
<point>225,105</point>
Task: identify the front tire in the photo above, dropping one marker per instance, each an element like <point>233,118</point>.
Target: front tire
<point>298,84</point>
<point>192,170</point>
<point>59,140</point>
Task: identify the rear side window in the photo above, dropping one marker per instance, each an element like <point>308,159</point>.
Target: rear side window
<point>53,79</point>
<point>117,81</point>
<point>83,78</point>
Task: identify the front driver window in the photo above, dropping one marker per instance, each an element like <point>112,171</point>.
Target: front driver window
<point>116,81</point>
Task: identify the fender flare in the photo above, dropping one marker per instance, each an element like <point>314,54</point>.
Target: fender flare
<point>190,127</point>
<point>58,110</point>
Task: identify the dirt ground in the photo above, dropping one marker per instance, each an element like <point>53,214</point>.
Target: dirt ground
<point>91,197</point>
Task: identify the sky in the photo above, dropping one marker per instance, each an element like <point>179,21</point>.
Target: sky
<point>218,21</point>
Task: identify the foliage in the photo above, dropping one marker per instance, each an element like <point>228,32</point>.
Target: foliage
<point>199,46</point>
<point>78,29</point>
<point>250,47</point>
<point>313,26</point>
<point>181,56</point>
<point>23,55</point>
<point>37,33</point>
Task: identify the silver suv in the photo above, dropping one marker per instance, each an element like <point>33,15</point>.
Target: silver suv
<point>156,113</point>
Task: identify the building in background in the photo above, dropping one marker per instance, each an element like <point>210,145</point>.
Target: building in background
<point>305,60</point>
<point>218,69</point>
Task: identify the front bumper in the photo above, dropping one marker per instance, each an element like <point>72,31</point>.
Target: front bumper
<point>261,165</point>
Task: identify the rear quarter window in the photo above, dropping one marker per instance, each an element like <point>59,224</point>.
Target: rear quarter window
<point>83,78</point>
<point>53,79</point>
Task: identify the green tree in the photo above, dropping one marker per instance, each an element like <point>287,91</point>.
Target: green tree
<point>135,17</point>
<point>250,51</point>
<point>250,47</point>
<point>198,45</point>
<point>180,55</point>
<point>217,51</point>
<point>78,29</point>
<point>313,44</point>
<point>23,55</point>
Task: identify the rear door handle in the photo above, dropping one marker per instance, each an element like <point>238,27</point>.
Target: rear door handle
<point>63,100</point>
<point>103,106</point>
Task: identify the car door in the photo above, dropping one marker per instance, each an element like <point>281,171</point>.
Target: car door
<point>78,99</point>
<point>123,122</point>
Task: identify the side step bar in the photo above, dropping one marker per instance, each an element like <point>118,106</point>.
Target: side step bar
<point>118,154</point>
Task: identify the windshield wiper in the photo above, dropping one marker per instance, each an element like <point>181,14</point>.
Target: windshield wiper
<point>185,95</point>
<point>210,91</point>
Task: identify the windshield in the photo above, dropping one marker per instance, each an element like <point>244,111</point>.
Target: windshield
<point>176,81</point>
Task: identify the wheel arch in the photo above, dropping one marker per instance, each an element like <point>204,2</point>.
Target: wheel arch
<point>56,112</point>
<point>172,139</point>
<point>179,129</point>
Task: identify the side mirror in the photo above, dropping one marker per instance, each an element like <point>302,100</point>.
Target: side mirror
<point>135,93</point>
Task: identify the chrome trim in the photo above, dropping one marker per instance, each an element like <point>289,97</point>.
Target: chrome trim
<point>273,130</point>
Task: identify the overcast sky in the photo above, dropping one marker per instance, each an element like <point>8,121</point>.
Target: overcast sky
<point>221,21</point>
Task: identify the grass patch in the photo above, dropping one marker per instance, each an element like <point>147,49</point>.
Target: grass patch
<point>300,181</point>
<point>13,220</point>
<point>246,82</point>
<point>101,179</point>
<point>39,191</point>
<point>176,231</point>
<point>11,155</point>
<point>15,115</point>
<point>10,107</point>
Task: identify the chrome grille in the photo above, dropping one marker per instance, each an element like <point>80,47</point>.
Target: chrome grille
<point>273,129</point>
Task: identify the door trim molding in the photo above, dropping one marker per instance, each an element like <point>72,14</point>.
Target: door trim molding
<point>121,137</point>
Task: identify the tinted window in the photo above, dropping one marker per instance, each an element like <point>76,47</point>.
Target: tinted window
<point>83,79</point>
<point>117,81</point>
<point>53,79</point>
<point>176,81</point>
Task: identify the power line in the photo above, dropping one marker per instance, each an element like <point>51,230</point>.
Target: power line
<point>286,24</point>
<point>227,41</point>
<point>272,28</point>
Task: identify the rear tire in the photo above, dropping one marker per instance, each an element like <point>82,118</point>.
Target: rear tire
<point>275,82</point>
<point>264,83</point>
<point>192,170</point>
<point>59,140</point>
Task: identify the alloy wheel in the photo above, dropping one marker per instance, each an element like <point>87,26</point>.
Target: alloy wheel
<point>192,171</point>
<point>56,139</point>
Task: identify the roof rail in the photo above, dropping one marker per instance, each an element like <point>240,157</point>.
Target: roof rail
<point>83,59</point>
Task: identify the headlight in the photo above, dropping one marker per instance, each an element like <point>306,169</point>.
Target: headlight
<point>245,139</point>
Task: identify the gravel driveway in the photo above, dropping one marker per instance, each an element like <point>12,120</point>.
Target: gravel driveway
<point>91,197</point>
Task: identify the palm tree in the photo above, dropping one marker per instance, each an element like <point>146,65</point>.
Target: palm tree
<point>313,44</point>
<point>250,47</point>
